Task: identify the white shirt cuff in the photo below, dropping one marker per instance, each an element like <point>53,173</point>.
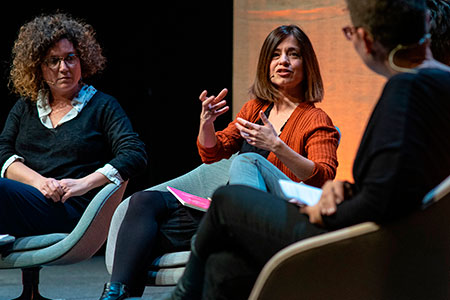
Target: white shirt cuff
<point>111,173</point>
<point>9,162</point>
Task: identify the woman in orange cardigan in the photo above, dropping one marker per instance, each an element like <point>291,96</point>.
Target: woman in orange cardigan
<point>282,124</point>
<point>280,133</point>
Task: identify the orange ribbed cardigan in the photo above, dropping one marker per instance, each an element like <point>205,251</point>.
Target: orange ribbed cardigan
<point>309,131</point>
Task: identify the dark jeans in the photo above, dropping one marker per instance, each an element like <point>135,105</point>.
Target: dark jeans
<point>24,211</point>
<point>241,231</point>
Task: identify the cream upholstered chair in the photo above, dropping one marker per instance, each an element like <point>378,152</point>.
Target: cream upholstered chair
<point>33,252</point>
<point>407,259</point>
<point>202,181</point>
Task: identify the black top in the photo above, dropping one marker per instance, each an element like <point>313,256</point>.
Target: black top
<point>404,152</point>
<point>101,133</point>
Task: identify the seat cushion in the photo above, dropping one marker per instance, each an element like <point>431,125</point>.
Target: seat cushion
<point>170,260</point>
<point>37,241</point>
<point>169,276</point>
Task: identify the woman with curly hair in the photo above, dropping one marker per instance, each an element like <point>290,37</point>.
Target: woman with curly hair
<point>63,139</point>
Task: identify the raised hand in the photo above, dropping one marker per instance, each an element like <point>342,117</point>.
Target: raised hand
<point>213,106</point>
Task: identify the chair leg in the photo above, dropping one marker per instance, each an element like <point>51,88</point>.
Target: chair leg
<point>30,282</point>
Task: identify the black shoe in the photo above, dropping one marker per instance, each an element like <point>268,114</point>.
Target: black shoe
<point>114,291</point>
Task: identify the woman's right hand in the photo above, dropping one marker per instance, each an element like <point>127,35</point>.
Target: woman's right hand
<point>50,188</point>
<point>213,106</point>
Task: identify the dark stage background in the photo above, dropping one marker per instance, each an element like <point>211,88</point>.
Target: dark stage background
<point>161,55</point>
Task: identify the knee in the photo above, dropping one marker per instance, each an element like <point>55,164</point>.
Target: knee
<point>229,198</point>
<point>11,188</point>
<point>145,203</point>
<point>221,196</point>
<point>4,184</point>
<point>247,157</point>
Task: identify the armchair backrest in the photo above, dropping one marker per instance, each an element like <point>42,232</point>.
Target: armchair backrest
<point>407,259</point>
<point>92,229</point>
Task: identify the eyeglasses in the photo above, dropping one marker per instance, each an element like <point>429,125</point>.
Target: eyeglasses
<point>54,62</point>
<point>349,31</point>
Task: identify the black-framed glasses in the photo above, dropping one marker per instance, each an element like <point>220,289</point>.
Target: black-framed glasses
<point>349,31</point>
<point>54,62</point>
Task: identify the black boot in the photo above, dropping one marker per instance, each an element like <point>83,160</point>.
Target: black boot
<point>190,285</point>
<point>114,291</point>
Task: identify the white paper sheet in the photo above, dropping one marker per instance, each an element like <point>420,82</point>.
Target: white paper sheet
<point>306,194</point>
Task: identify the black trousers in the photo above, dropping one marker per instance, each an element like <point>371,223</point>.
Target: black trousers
<point>155,223</point>
<point>24,211</point>
<point>241,231</point>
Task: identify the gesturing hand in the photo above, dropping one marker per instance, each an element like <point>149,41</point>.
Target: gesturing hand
<point>213,106</point>
<point>261,136</point>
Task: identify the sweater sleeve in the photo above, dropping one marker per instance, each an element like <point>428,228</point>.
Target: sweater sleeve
<point>311,133</point>
<point>402,155</point>
<point>10,131</point>
<point>373,202</point>
<point>321,146</point>
<point>130,157</point>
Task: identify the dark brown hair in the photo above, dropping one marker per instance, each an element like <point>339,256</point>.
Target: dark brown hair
<point>440,29</point>
<point>33,43</point>
<point>390,22</point>
<point>263,88</point>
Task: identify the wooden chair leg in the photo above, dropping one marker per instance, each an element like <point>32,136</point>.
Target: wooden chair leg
<point>30,282</point>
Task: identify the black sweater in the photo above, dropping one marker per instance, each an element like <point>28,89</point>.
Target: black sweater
<point>404,152</point>
<point>100,134</point>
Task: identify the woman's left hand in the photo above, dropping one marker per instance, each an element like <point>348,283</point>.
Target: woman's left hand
<point>333,193</point>
<point>78,187</point>
<point>261,136</point>
<point>73,187</point>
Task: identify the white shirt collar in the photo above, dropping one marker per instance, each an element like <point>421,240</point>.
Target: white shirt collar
<point>78,102</point>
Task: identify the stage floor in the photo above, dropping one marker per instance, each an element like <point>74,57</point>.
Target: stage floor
<point>82,281</point>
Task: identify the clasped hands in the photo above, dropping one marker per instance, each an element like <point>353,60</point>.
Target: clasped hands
<point>61,190</point>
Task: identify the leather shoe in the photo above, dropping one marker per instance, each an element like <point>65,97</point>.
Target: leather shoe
<point>114,291</point>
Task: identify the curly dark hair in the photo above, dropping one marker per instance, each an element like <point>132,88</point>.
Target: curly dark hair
<point>440,29</point>
<point>33,43</point>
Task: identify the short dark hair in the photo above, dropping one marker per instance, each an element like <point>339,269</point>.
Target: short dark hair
<point>440,29</point>
<point>390,22</point>
<point>263,88</point>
